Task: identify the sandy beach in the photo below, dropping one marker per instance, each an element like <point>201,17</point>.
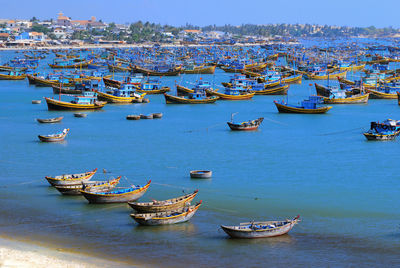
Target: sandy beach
<point>17,254</point>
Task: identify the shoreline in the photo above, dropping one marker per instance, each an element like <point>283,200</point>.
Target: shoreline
<point>26,253</point>
<point>102,46</point>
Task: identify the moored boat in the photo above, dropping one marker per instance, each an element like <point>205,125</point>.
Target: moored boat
<point>85,102</point>
<point>168,217</point>
<point>54,137</point>
<point>50,120</point>
<point>248,125</point>
<point>70,179</point>
<point>386,130</point>
<point>75,189</point>
<point>120,195</point>
<point>164,205</point>
<point>307,106</point>
<point>260,229</point>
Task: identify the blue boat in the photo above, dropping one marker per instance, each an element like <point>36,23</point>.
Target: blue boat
<point>386,130</point>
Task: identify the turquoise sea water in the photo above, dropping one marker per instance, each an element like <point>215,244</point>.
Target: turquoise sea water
<point>319,166</point>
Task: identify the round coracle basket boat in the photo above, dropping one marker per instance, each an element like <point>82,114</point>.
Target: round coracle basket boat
<point>36,101</point>
<point>200,174</point>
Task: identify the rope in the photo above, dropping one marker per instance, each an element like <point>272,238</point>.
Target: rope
<point>340,132</point>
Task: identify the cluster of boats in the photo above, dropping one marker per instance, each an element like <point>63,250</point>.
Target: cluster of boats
<point>156,212</point>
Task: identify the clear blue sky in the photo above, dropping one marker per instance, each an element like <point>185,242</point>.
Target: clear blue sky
<point>382,13</point>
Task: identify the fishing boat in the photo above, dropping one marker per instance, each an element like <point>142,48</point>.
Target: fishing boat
<point>50,120</point>
<point>54,137</point>
<point>12,75</point>
<point>338,96</point>
<point>69,64</point>
<point>168,72</point>
<point>111,82</point>
<point>152,86</point>
<point>197,97</point>
<point>199,69</point>
<point>386,130</point>
<point>326,76</point>
<point>248,125</point>
<point>307,106</point>
<point>168,217</point>
<point>120,195</point>
<point>165,205</point>
<point>95,186</point>
<point>261,229</point>
<point>382,92</point>
<point>70,179</point>
<point>125,94</point>
<point>88,101</point>
<point>231,93</point>
<point>260,89</point>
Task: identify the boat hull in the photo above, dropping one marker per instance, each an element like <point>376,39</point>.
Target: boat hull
<point>96,198</point>
<point>63,105</point>
<point>289,109</point>
<point>170,99</point>
<point>355,99</point>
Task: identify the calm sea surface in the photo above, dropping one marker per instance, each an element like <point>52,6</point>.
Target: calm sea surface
<point>345,188</point>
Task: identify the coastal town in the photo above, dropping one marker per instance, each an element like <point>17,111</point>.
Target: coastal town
<point>66,31</point>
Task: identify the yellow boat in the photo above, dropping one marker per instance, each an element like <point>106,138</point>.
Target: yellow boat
<point>355,99</point>
<point>75,65</point>
<point>117,99</point>
<point>375,94</point>
<point>325,77</point>
<point>241,96</point>
<point>53,104</point>
<point>201,70</point>
<point>282,108</point>
<point>162,90</point>
<point>12,76</point>
<point>292,79</point>
<point>353,68</point>
<point>277,90</point>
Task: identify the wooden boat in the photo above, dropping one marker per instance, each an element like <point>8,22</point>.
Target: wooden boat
<point>70,179</point>
<point>170,99</point>
<point>353,83</point>
<point>54,137</point>
<point>249,125</point>
<point>149,116</point>
<point>165,205</point>
<point>167,217</point>
<point>81,64</point>
<point>36,101</point>
<point>327,76</point>
<point>133,117</point>
<point>75,189</point>
<point>42,82</point>
<point>354,99</point>
<point>200,174</point>
<point>200,70</point>
<point>353,68</point>
<point>277,90</point>
<point>376,94</point>
<point>50,120</point>
<point>241,96</point>
<point>307,106</point>
<point>292,79</point>
<point>398,97</point>
<point>116,196</point>
<point>112,83</point>
<point>157,115</point>
<point>77,104</point>
<point>118,99</point>
<point>119,68</point>
<point>65,90</point>
<point>260,229</point>
<point>174,72</point>
<point>386,130</point>
<point>12,76</point>
<point>80,115</point>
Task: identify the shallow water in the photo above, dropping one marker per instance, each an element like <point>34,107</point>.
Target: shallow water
<point>318,166</point>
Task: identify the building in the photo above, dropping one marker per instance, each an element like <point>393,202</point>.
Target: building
<point>4,36</point>
<point>32,36</point>
<point>60,33</point>
<point>81,24</point>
